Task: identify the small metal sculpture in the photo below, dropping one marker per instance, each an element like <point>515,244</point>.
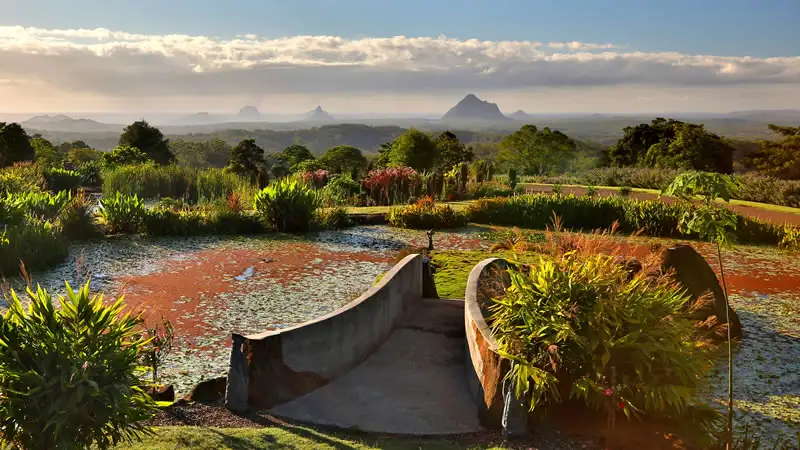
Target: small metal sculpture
<point>430,234</point>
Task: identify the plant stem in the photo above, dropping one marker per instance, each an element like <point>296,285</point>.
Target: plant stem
<point>729,427</point>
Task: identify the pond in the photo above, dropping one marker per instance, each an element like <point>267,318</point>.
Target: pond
<point>210,286</point>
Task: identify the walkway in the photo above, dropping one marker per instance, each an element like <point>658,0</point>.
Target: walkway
<point>414,384</point>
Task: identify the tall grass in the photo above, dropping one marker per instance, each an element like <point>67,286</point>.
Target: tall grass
<point>188,183</point>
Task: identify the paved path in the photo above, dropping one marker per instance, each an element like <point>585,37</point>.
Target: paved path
<point>414,384</point>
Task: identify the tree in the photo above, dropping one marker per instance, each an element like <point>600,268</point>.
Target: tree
<point>46,154</point>
<point>15,146</point>
<point>247,159</point>
<point>295,154</point>
<point>123,155</point>
<point>149,140</point>
<point>414,149</point>
<point>202,154</point>
<point>450,151</point>
<point>345,159</point>
<point>779,159</point>
<point>309,165</point>
<point>716,225</point>
<point>537,152</point>
<point>79,155</point>
<point>668,143</point>
<point>383,158</point>
<point>691,148</point>
<point>636,141</point>
<point>65,147</point>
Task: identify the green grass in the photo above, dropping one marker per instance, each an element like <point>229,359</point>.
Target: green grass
<point>452,268</point>
<point>286,437</point>
<point>764,206</point>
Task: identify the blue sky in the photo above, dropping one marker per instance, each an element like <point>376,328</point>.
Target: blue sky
<point>721,27</point>
<point>370,56</point>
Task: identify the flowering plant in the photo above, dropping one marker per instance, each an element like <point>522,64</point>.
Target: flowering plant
<point>158,345</point>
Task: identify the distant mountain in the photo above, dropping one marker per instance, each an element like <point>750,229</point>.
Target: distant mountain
<point>48,119</point>
<point>318,115</point>
<point>61,122</point>
<point>520,115</point>
<point>471,108</point>
<point>249,113</point>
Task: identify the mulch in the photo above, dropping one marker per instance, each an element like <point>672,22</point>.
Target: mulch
<point>766,215</point>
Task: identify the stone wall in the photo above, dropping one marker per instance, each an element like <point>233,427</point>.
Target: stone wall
<point>278,366</point>
<point>485,368</point>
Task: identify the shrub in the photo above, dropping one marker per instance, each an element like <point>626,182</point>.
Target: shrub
<point>122,213</point>
<point>396,185</point>
<point>333,218</point>
<point>286,205</point>
<point>190,184</point>
<point>75,219</point>
<point>652,217</point>
<point>624,191</point>
<point>489,189</point>
<point>58,179</point>
<point>340,190</point>
<point>557,189</point>
<point>591,191</point>
<point>90,173</point>
<point>21,178</point>
<point>158,345</point>
<point>567,323</point>
<point>425,214</point>
<point>69,373</point>
<point>42,204</point>
<point>512,178</point>
<point>37,243</point>
<point>124,155</point>
<point>481,170</point>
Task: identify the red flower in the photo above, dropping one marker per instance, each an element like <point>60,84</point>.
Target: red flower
<point>608,392</point>
<point>621,405</point>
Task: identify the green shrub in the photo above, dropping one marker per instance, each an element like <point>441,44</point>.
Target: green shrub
<point>557,189</point>
<point>591,191</point>
<point>122,213</point>
<point>42,204</point>
<point>652,217</point>
<point>58,179</point>
<point>489,189</point>
<point>37,243</point>
<point>340,190</point>
<point>124,155</point>
<point>21,178</point>
<point>566,323</point>
<point>333,218</point>
<point>512,178</point>
<point>75,219</point>
<point>286,205</point>
<point>69,373</point>
<point>226,221</point>
<point>624,191</point>
<point>188,183</point>
<point>90,173</point>
<point>425,214</point>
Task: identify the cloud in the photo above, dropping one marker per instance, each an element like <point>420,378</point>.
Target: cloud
<point>126,65</point>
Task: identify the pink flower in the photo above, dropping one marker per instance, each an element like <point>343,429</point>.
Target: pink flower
<point>608,392</point>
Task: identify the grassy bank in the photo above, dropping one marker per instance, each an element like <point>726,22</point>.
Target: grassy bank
<point>288,437</point>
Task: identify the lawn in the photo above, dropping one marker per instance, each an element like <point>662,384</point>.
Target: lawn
<point>286,437</point>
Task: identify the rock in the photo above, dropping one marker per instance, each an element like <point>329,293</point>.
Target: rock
<point>161,393</point>
<point>208,390</point>
<point>696,276</point>
<point>472,108</point>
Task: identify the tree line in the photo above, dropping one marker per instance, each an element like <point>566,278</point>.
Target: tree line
<point>663,143</point>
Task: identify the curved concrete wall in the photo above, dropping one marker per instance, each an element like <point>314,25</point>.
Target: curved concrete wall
<point>274,367</point>
<point>485,367</point>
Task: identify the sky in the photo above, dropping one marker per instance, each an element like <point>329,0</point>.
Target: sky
<point>403,57</point>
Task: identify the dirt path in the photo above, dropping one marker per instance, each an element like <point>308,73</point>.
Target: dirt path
<point>766,215</point>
